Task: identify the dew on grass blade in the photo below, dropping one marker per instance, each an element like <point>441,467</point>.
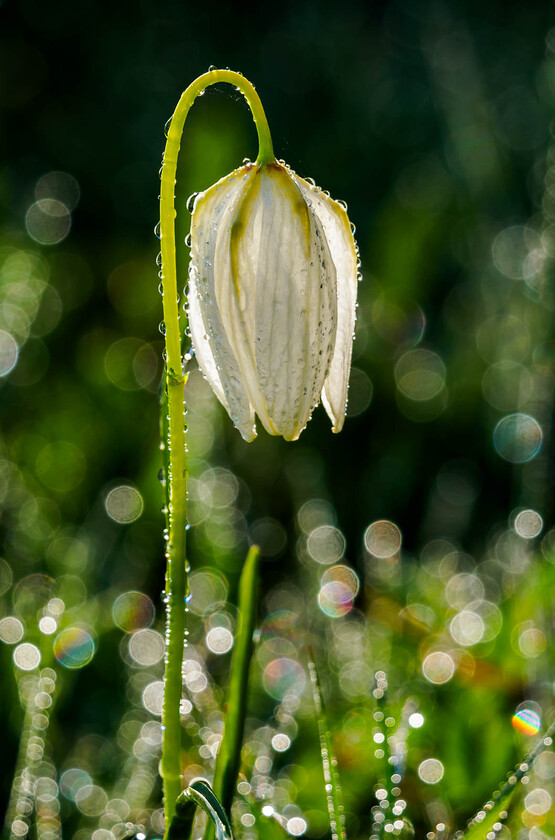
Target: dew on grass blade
<point>132,611</point>
<point>74,647</point>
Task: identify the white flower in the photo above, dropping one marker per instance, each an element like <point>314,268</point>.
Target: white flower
<point>272,298</point>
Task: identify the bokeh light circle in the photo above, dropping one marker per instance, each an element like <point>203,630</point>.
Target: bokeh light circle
<point>91,800</point>
<point>538,802</point>
<point>27,657</point>
<point>48,625</point>
<point>219,640</point>
<point>517,438</point>
<point>420,375</point>
<point>431,771</point>
<point>133,611</point>
<point>338,588</point>
<point>284,677</point>
<point>11,630</point>
<point>281,742</point>
<point>296,826</point>
<point>382,539</point>
<point>326,544</point>
<point>9,352</point>
<point>124,504</point>
<point>153,698</point>
<point>146,647</point>
<point>74,647</point>
<point>208,591</point>
<point>526,721</point>
<point>48,221</point>
<point>438,667</point>
<point>528,524</point>
<point>467,628</point>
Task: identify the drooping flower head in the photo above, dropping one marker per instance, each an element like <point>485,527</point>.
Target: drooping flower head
<point>272,298</point>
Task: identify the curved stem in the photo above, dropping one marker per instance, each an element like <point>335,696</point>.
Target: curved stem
<point>176,574</point>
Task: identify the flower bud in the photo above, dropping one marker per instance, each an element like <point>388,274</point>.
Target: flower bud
<point>272,298</point>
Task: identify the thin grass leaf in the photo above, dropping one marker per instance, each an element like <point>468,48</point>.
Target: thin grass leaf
<point>329,762</point>
<point>199,793</point>
<point>497,809</point>
<point>229,755</point>
<point>163,394</point>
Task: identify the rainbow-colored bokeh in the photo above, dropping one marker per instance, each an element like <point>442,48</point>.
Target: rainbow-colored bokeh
<point>526,721</point>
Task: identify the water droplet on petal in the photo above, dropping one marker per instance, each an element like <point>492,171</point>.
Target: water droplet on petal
<point>191,202</point>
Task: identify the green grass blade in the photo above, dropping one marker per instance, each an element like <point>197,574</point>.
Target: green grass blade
<point>329,762</point>
<point>498,807</point>
<point>199,793</point>
<point>229,755</point>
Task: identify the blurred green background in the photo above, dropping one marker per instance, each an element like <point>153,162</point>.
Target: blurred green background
<point>422,530</point>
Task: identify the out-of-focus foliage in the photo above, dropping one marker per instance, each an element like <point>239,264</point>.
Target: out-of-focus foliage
<point>417,545</point>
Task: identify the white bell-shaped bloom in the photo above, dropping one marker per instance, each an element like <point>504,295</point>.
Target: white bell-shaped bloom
<point>272,298</point>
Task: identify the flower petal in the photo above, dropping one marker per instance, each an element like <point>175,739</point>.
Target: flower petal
<point>211,217</point>
<point>340,239</point>
<point>284,302</point>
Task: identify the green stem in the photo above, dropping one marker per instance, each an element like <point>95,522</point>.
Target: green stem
<point>176,574</point>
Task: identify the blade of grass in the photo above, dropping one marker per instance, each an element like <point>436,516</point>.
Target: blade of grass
<point>329,762</point>
<point>500,802</point>
<point>229,755</point>
<point>198,793</point>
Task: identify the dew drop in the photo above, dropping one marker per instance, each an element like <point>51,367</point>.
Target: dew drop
<point>191,202</point>
<point>157,230</point>
<point>162,327</point>
<point>188,240</point>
